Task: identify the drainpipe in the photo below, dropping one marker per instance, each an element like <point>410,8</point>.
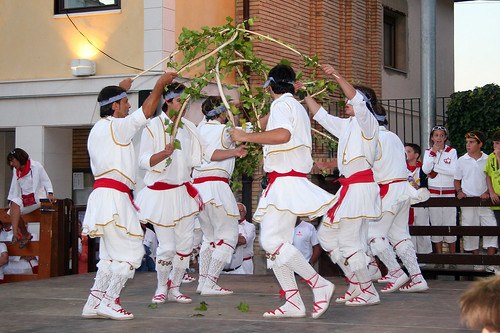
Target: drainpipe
<point>428,100</point>
<point>246,196</point>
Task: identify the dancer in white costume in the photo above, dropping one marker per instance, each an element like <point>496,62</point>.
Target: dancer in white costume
<point>397,195</point>
<point>111,213</point>
<point>344,231</point>
<point>287,160</point>
<point>169,201</point>
<point>219,217</point>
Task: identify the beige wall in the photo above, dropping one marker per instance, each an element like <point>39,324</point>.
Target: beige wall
<point>194,14</point>
<point>408,85</point>
<point>36,44</point>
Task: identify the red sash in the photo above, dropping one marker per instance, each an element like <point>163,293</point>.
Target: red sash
<point>365,176</point>
<point>384,188</point>
<point>116,185</point>
<point>193,193</point>
<point>271,176</point>
<point>210,179</point>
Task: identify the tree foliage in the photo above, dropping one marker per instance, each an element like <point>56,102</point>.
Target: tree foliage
<point>477,109</point>
<point>228,49</point>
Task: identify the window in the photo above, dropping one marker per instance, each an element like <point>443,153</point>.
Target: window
<point>395,40</point>
<point>81,6</point>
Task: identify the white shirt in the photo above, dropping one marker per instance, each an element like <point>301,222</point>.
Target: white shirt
<point>3,248</point>
<point>358,136</point>
<point>444,163</point>
<point>111,150</point>
<point>305,237</point>
<point>154,139</point>
<point>390,164</point>
<point>289,114</point>
<point>36,181</point>
<point>249,229</point>
<point>471,172</point>
<point>214,136</point>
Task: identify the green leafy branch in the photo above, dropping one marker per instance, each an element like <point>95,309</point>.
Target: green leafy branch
<point>228,50</point>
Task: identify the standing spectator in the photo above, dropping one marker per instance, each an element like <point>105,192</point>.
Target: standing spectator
<point>344,231</point>
<point>242,259</point>
<point>419,216</point>
<point>470,181</point>
<point>439,164</point>
<point>492,170</point>
<point>169,201</point>
<point>305,238</point>
<point>219,217</point>
<point>30,183</point>
<point>287,146</point>
<point>111,213</point>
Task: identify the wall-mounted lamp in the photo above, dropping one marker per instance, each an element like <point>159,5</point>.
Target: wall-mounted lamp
<point>82,67</point>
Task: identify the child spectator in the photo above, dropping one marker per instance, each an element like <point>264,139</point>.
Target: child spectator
<point>470,181</point>
<point>480,305</point>
<point>417,178</point>
<point>492,170</point>
<point>439,164</point>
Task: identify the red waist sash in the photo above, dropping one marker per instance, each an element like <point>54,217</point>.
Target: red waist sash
<point>193,193</point>
<point>272,176</point>
<point>116,185</point>
<point>200,180</point>
<point>365,176</point>
<point>384,188</point>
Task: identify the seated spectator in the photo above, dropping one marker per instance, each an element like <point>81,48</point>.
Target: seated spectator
<point>17,264</point>
<point>242,258</point>
<point>30,183</point>
<point>4,256</point>
<point>150,244</point>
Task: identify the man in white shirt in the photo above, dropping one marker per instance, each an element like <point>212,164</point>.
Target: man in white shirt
<point>242,259</point>
<point>305,238</point>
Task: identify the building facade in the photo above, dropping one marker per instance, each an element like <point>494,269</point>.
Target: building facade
<point>48,111</point>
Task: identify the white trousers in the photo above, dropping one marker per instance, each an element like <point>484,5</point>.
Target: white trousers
<point>422,244</point>
<point>478,216</point>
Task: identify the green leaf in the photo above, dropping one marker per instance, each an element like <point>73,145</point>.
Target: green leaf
<point>243,307</point>
<point>168,161</point>
<point>177,144</point>
<point>153,306</point>
<point>202,307</point>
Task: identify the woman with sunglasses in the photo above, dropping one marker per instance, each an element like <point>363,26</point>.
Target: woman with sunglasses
<point>439,164</point>
<point>30,183</point>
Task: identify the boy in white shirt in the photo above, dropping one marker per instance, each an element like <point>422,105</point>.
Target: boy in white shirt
<point>470,181</point>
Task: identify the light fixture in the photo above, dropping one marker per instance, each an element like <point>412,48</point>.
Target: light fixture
<point>82,67</point>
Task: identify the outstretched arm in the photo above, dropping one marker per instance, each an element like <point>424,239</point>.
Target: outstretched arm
<point>150,104</point>
<point>346,87</point>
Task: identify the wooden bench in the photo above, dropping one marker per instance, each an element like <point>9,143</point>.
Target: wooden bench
<point>46,248</point>
<point>460,258</point>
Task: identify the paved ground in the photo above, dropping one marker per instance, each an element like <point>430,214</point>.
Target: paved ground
<point>55,305</point>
